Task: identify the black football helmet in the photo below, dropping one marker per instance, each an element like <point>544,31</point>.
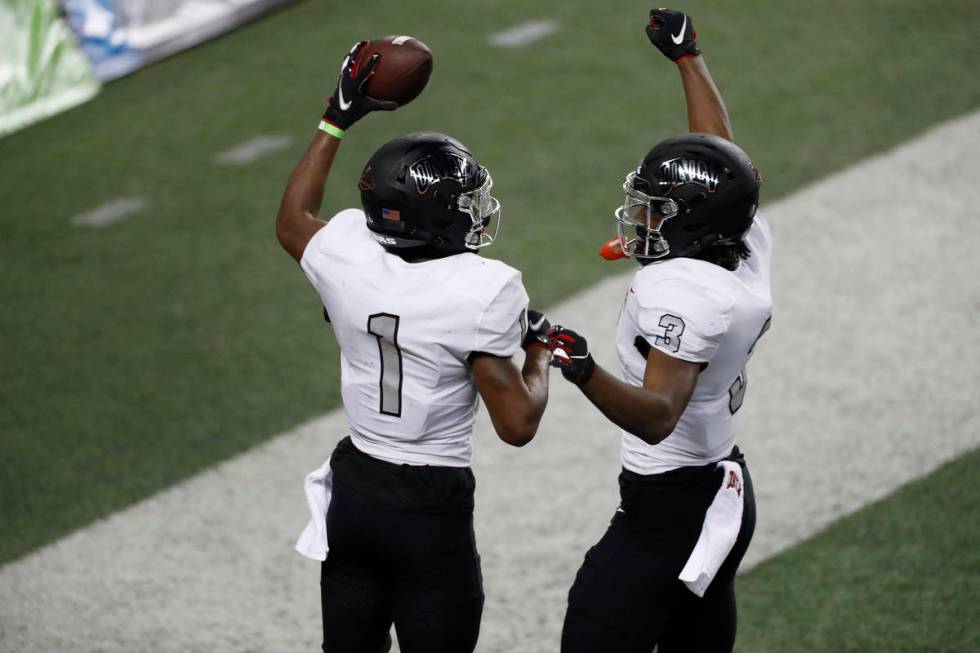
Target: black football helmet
<point>689,193</point>
<point>424,193</point>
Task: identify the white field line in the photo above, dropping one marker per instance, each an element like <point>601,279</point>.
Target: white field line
<point>867,380</point>
<point>111,212</point>
<point>253,149</point>
<point>523,34</point>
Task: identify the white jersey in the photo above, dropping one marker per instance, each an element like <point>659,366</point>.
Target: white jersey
<point>405,331</point>
<point>702,313</point>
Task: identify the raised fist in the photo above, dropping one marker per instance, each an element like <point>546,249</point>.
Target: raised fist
<point>673,33</point>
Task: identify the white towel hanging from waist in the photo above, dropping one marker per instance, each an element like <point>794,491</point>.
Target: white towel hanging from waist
<point>318,487</point>
<point>722,522</point>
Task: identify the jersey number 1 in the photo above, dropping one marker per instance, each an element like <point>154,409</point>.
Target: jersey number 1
<point>384,327</point>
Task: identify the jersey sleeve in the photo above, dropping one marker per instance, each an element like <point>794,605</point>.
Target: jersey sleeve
<point>319,257</point>
<point>684,320</point>
<point>502,324</point>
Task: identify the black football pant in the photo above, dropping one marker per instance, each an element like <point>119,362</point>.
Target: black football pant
<point>387,564</point>
<point>627,597</point>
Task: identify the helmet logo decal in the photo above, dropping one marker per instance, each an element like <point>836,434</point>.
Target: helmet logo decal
<point>366,182</point>
<point>679,171</point>
<point>391,214</point>
<point>437,167</point>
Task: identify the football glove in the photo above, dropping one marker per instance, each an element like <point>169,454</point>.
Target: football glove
<point>673,33</point>
<point>348,104</point>
<point>571,354</point>
<point>537,327</point>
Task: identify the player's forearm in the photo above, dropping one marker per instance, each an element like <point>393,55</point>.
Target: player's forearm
<point>637,410</point>
<point>296,222</point>
<point>706,110</point>
<point>518,424</point>
<point>535,375</point>
<point>515,399</point>
<point>304,191</point>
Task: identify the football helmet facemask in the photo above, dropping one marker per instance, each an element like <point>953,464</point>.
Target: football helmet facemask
<point>688,194</point>
<point>425,193</point>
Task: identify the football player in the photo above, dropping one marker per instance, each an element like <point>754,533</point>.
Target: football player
<point>662,574</point>
<point>425,325</point>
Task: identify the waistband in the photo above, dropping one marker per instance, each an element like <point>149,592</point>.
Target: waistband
<point>427,488</point>
<point>681,475</point>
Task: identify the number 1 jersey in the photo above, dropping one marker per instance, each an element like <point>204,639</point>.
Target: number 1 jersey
<point>405,332</point>
<point>702,313</point>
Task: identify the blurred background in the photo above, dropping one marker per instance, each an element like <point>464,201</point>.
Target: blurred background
<point>151,327</point>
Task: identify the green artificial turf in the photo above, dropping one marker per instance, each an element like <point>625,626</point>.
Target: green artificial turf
<point>134,356</point>
<point>902,574</point>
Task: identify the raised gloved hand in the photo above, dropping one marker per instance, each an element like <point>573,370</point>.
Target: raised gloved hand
<point>571,354</point>
<point>537,327</point>
<point>673,33</point>
<point>348,104</point>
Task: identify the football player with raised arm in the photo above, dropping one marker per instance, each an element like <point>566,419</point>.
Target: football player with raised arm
<point>663,573</point>
<point>425,327</point>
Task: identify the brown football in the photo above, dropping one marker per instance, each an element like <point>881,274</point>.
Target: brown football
<point>403,70</point>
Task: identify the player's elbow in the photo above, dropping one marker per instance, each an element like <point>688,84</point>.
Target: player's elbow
<point>517,435</point>
<point>285,226</point>
<point>516,438</point>
<point>519,430</point>
<point>658,424</point>
<point>655,433</point>
<point>288,235</point>
<point>281,234</point>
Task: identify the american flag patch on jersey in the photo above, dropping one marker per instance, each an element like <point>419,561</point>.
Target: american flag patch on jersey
<point>391,214</point>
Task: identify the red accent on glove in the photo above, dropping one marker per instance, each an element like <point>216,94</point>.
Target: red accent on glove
<point>359,61</point>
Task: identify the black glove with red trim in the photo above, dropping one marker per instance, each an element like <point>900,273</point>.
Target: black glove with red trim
<point>673,33</point>
<point>348,104</point>
<point>571,354</point>
<point>537,328</point>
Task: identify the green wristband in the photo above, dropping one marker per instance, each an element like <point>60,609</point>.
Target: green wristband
<point>336,132</point>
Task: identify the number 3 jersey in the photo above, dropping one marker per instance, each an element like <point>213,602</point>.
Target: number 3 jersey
<point>702,313</point>
<point>405,332</point>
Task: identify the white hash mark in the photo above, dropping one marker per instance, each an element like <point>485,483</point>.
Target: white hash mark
<point>254,149</point>
<point>524,33</point>
<point>111,212</point>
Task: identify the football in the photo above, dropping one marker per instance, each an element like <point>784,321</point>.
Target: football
<point>402,71</point>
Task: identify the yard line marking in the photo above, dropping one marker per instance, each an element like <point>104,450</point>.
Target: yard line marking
<point>524,33</point>
<point>254,149</point>
<point>866,381</point>
<point>111,212</point>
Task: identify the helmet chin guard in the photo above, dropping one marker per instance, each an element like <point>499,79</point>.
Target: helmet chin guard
<point>484,211</point>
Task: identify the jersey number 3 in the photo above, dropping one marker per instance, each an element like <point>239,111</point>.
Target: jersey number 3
<point>384,327</point>
<point>673,328</point>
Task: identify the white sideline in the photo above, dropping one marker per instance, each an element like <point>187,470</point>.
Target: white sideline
<point>524,34</point>
<point>867,380</point>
